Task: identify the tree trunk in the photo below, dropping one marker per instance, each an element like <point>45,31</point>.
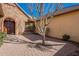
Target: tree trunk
<point>43,40</point>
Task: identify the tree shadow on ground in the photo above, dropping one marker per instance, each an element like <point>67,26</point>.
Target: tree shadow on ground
<point>43,48</point>
<point>33,44</point>
<point>36,37</point>
<point>16,41</point>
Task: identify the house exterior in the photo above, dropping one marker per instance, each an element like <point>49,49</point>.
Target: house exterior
<point>12,18</point>
<point>65,21</point>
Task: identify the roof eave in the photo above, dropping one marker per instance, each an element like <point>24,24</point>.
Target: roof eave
<point>66,10</point>
<point>22,11</point>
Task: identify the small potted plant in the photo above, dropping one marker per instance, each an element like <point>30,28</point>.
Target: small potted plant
<point>66,37</point>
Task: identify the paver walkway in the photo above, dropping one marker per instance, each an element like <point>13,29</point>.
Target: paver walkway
<point>19,45</point>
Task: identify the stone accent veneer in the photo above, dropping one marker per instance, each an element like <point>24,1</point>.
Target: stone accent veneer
<point>13,12</point>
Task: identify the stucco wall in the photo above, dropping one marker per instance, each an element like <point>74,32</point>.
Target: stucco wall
<point>65,24</point>
<point>11,11</point>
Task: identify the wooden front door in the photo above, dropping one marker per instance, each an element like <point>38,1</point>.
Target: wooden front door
<point>9,27</point>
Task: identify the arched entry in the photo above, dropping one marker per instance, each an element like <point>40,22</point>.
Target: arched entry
<point>9,26</point>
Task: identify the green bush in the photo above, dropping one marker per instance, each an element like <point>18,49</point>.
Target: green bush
<point>2,37</point>
<point>66,37</point>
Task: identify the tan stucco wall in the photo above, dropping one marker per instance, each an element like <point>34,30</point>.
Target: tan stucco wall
<point>65,24</point>
<point>17,15</point>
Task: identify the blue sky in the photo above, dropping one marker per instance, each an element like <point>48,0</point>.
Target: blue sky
<point>24,6</point>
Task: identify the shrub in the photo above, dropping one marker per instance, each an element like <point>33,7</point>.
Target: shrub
<point>66,37</point>
<point>2,37</point>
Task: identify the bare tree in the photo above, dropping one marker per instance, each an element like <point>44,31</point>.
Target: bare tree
<point>43,18</point>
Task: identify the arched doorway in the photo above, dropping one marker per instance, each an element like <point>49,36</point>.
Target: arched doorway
<point>9,26</point>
